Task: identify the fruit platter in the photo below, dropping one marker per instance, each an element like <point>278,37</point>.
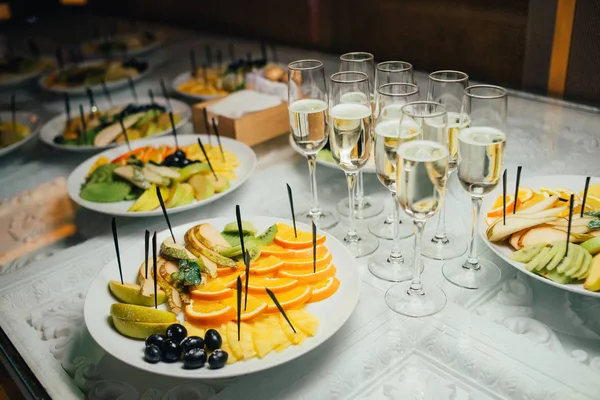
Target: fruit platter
<point>16,70</point>
<point>200,280</point>
<point>123,182</point>
<point>101,129</point>
<point>534,237</point>
<point>214,82</point>
<point>25,128</point>
<point>75,78</point>
<point>131,44</point>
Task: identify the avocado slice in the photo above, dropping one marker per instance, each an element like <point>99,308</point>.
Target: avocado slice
<point>192,169</point>
<point>203,188</point>
<point>174,250</point>
<point>247,228</point>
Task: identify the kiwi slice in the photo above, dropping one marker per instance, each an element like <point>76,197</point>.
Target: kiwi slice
<point>234,239</point>
<point>105,192</point>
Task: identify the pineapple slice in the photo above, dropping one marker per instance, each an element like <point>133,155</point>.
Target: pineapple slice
<point>193,330</point>
<point>278,336</point>
<point>225,345</point>
<point>234,345</point>
<point>246,341</point>
<point>263,343</point>
<point>293,338</point>
<point>303,320</point>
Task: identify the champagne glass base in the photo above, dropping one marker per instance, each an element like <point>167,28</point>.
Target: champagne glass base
<point>432,301</point>
<point>362,244</point>
<point>451,247</point>
<point>384,229</point>
<point>488,274</point>
<point>384,268</point>
<point>324,219</point>
<point>365,208</point>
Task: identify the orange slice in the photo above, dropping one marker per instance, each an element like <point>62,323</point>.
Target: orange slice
<point>284,254</point>
<point>307,262</point>
<point>265,266</point>
<point>254,307</point>
<point>257,284</point>
<point>285,238</point>
<point>209,313</point>
<point>226,271</point>
<point>230,280</point>
<point>274,250</point>
<point>214,289</point>
<point>290,299</point>
<point>324,289</point>
<point>307,275</point>
<point>497,208</point>
<point>536,198</point>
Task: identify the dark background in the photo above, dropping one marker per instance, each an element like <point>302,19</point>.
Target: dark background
<point>508,42</point>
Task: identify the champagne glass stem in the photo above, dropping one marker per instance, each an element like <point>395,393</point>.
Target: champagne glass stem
<point>391,217</point>
<point>351,177</point>
<point>440,232</point>
<point>396,253</point>
<point>360,191</point>
<point>312,168</point>
<point>472,260</point>
<point>415,285</point>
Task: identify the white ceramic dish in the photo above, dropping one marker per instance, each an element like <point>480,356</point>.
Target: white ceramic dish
<point>25,118</point>
<point>184,77</point>
<point>504,250</point>
<point>332,312</point>
<point>22,78</point>
<point>246,158</point>
<point>80,90</point>
<point>55,126</point>
<point>369,168</point>
<point>119,54</point>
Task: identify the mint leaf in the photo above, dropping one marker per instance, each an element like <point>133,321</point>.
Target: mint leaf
<point>594,224</point>
<point>593,213</point>
<point>189,274</point>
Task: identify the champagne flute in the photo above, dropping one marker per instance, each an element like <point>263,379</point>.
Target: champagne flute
<point>392,72</point>
<point>361,62</point>
<point>481,146</point>
<point>446,87</point>
<point>421,174</point>
<point>389,134</point>
<point>307,105</point>
<point>350,141</point>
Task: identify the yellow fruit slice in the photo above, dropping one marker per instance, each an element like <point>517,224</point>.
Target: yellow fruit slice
<point>209,313</point>
<point>536,198</point>
<point>295,338</point>
<point>593,190</point>
<point>290,299</point>
<point>263,344</point>
<point>303,320</point>
<point>257,284</point>
<point>266,266</point>
<point>246,341</point>
<point>213,290</point>
<point>592,202</point>
<point>324,289</point>
<point>254,307</point>
<point>193,330</point>
<point>232,341</point>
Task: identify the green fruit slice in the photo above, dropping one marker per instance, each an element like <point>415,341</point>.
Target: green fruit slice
<point>105,192</point>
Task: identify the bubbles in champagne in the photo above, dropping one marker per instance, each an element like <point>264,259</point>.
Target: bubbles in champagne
<point>350,138</point>
<point>308,123</point>
<point>481,159</point>
<point>421,177</point>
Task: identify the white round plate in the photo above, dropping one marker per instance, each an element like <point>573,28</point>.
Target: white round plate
<point>332,312</point>
<point>184,77</point>
<point>246,158</point>
<point>25,118</point>
<point>19,79</point>
<point>369,168</point>
<point>121,54</point>
<point>575,183</point>
<point>80,90</point>
<point>55,126</point>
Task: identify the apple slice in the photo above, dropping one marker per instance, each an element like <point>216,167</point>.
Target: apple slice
<point>560,254</point>
<point>567,262</point>
<point>532,265</point>
<point>577,264</point>
<point>592,282</point>
<point>586,266</point>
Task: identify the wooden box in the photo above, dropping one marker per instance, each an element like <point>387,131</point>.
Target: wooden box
<point>250,129</point>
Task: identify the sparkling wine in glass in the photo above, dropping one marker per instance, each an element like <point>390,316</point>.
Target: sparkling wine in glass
<point>481,145</point>
<point>422,171</point>
<point>361,62</point>
<point>309,127</point>
<point>446,87</point>
<point>390,133</point>
<point>350,141</point>
<point>391,72</point>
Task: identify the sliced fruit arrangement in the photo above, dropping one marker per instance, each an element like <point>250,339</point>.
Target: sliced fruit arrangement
<point>182,175</point>
<point>538,231</point>
<point>197,281</point>
<point>93,73</point>
<point>103,127</point>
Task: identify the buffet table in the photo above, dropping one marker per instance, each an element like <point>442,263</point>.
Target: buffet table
<point>521,339</point>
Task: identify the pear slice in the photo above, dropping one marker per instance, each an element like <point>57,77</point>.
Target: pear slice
<point>498,231</point>
<point>210,237</point>
<point>139,330</point>
<point>541,206</point>
<point>131,293</point>
<point>111,132</point>
<point>197,248</point>
<point>561,249</point>
<point>174,250</point>
<point>514,239</point>
<point>577,263</point>
<point>532,265</point>
<point>547,258</point>
<point>567,262</point>
<point>131,312</point>
<point>543,234</point>
<point>592,282</point>
<point>527,254</point>
<point>585,266</point>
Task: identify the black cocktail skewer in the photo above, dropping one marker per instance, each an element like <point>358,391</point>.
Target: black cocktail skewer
<point>281,310</point>
<point>165,94</point>
<point>207,159</point>
<point>291,199</point>
<point>504,197</point>
<point>518,182</point>
<point>193,64</point>
<point>585,191</point>
<point>116,241</point>
<point>207,125</point>
<point>90,95</point>
<point>247,264</point>
<point>238,286</point>
<point>83,125</point>
<point>164,210</point>
<point>132,88</point>
<point>216,130</point>
<point>124,133</point>
<point>174,129</point>
<point>106,92</point>
<point>67,107</point>
<point>154,262</point>
<point>238,218</point>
